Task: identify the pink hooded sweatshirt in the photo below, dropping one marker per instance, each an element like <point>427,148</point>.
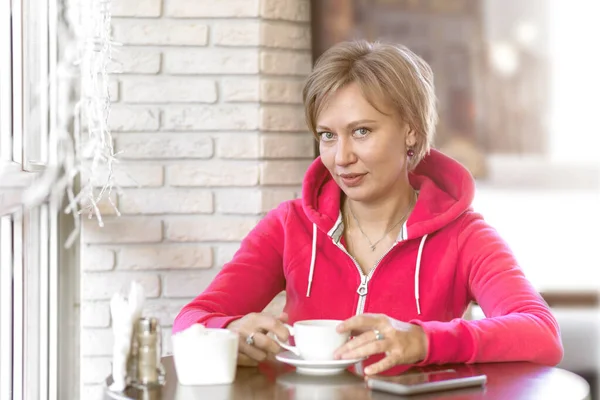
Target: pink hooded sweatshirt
<point>445,256</point>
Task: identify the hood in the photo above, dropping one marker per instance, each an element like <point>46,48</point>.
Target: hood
<point>446,191</point>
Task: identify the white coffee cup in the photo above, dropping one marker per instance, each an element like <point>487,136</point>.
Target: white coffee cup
<point>205,356</point>
<point>315,339</point>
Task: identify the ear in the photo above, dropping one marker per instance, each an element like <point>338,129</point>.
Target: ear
<point>411,137</point>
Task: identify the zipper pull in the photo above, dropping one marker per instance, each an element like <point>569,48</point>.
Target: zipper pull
<point>362,289</point>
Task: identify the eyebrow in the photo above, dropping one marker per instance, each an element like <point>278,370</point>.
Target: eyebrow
<point>350,125</point>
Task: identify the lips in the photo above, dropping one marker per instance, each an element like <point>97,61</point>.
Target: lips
<point>351,180</point>
<point>350,176</point>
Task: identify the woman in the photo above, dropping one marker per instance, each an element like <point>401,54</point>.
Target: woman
<point>383,238</point>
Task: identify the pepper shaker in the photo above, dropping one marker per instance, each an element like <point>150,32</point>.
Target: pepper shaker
<point>149,370</point>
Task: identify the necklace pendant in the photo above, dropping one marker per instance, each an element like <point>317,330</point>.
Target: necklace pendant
<point>373,247</point>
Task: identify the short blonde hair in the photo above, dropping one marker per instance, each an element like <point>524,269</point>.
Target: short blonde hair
<point>387,72</point>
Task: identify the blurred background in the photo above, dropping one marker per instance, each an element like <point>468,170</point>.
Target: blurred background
<point>207,126</point>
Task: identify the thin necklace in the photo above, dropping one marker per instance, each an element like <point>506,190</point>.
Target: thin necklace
<point>374,245</point>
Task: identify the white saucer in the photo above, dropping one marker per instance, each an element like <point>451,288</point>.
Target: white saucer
<point>314,367</point>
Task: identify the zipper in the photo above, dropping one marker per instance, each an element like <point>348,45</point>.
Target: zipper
<point>363,288</point>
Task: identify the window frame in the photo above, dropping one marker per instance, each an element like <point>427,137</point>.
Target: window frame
<point>30,333</point>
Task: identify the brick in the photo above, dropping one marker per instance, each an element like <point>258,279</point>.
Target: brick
<point>285,35</point>
<point>212,9</point>
<point>165,201</point>
<point>169,90</point>
<point>128,175</point>
<point>164,310</point>
<point>104,204</point>
<point>283,172</point>
<point>282,118</point>
<point>122,230</point>
<point>165,146</point>
<point>217,117</point>
<point>294,145</point>
<point>280,62</point>
<point>129,60</point>
<point>165,256</point>
<point>178,285</point>
<point>136,8</point>
<point>239,201</point>
<point>95,258</point>
<point>87,144</point>
<point>281,91</point>
<point>216,227</point>
<point>236,33</point>
<point>159,32</point>
<point>113,89</point>
<point>238,146</point>
<point>225,253</point>
<point>240,89</point>
<point>211,61</point>
<point>102,286</point>
<point>96,342</point>
<point>95,314</point>
<point>133,119</point>
<point>95,370</point>
<point>213,173</point>
<point>291,10</point>
<point>271,198</point>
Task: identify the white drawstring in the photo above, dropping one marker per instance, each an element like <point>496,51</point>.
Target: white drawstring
<point>417,273</point>
<point>313,258</point>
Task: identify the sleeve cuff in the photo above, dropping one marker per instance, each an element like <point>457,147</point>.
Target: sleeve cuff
<point>447,342</point>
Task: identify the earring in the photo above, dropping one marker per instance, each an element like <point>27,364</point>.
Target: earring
<point>410,152</point>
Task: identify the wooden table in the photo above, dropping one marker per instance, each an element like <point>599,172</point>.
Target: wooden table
<point>276,381</point>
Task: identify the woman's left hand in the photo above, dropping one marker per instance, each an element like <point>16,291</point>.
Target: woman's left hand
<point>401,342</point>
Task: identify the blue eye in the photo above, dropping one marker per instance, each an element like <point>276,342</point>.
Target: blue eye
<point>326,136</point>
<point>362,131</point>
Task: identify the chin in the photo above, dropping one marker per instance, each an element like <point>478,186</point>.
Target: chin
<point>357,193</point>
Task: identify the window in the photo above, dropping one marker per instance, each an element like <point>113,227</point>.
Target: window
<point>28,245</point>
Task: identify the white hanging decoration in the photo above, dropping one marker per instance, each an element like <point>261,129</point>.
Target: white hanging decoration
<point>82,107</point>
<point>80,140</point>
<point>93,139</point>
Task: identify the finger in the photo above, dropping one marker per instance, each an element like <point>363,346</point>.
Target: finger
<point>252,351</point>
<point>271,324</point>
<point>380,366</point>
<point>246,361</point>
<point>355,343</point>
<point>361,323</point>
<point>366,350</point>
<point>266,343</point>
<point>283,317</point>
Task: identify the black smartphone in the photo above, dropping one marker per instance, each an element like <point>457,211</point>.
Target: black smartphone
<point>425,382</point>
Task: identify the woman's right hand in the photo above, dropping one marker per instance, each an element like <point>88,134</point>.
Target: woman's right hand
<point>259,325</point>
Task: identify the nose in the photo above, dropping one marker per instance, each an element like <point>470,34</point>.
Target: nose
<point>344,152</point>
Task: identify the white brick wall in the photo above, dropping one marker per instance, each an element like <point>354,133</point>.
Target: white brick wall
<point>207,116</point>
<point>168,90</point>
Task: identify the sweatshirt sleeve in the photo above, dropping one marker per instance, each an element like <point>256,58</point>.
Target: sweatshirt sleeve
<point>518,326</point>
<point>247,283</point>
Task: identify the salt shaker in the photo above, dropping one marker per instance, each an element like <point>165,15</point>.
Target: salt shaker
<point>149,368</point>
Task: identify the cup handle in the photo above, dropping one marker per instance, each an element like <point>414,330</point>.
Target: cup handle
<point>287,346</point>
